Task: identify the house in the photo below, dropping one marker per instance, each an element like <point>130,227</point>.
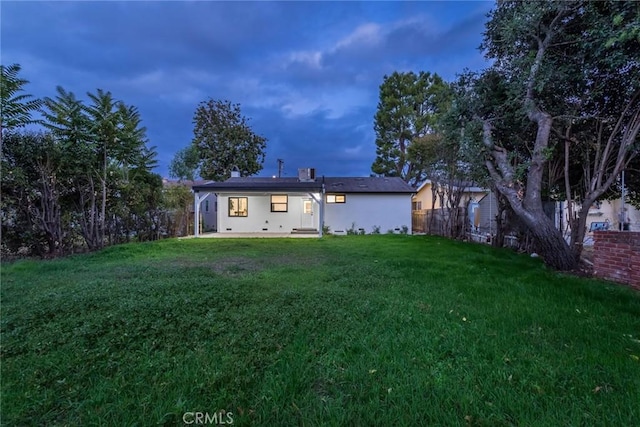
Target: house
<point>482,215</point>
<point>431,212</point>
<point>605,215</point>
<point>602,215</point>
<point>307,204</point>
<point>423,199</point>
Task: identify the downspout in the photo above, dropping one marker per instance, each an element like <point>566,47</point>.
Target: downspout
<point>322,208</point>
<point>196,210</point>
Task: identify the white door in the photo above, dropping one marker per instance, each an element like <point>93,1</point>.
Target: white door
<point>307,214</point>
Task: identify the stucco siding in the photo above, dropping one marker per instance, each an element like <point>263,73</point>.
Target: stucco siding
<point>208,213</point>
<point>387,211</point>
<point>259,217</point>
<point>608,211</point>
<point>488,207</point>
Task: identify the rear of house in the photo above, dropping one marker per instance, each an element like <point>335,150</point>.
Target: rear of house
<point>368,204</point>
<point>305,204</point>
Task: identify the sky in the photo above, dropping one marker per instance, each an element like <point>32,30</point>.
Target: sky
<point>306,74</point>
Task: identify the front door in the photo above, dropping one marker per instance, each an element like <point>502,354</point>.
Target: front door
<point>307,214</point>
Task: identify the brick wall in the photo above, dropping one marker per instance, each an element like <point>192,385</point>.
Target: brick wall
<point>617,256</point>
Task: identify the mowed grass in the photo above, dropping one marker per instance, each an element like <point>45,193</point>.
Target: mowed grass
<point>357,330</point>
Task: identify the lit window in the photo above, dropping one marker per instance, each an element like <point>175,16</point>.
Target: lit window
<point>307,207</point>
<point>238,206</point>
<point>279,203</point>
<point>336,198</point>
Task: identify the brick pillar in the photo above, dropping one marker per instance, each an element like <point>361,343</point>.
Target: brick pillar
<point>617,256</point>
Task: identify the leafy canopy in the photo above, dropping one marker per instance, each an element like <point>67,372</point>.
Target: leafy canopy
<point>408,109</point>
<point>223,140</point>
<point>15,106</point>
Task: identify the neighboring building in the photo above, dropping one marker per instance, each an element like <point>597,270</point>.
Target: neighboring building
<point>431,213</point>
<point>605,215</point>
<point>482,214</point>
<point>423,198</point>
<point>305,204</point>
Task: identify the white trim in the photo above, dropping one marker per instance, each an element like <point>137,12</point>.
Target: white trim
<point>197,200</point>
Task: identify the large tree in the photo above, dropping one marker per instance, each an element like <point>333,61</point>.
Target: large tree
<point>224,140</point>
<point>564,72</point>
<point>408,109</point>
<point>105,153</point>
<point>32,192</point>
<point>65,117</point>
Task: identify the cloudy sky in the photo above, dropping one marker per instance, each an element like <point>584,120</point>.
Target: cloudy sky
<point>306,74</point>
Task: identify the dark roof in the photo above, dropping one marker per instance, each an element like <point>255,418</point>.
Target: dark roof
<point>332,185</point>
<point>260,184</point>
<point>367,185</point>
<point>187,183</point>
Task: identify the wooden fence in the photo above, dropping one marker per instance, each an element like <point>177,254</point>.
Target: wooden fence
<point>438,222</point>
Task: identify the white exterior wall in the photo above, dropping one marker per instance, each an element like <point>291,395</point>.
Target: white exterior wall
<point>387,211</point>
<point>259,215</point>
<point>607,211</point>
<point>209,216</point>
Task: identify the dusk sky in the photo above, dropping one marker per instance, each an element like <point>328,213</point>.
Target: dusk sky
<point>306,74</point>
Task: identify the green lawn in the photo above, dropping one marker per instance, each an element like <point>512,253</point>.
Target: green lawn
<point>357,330</point>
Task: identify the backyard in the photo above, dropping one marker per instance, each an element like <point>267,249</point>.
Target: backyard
<point>353,330</point>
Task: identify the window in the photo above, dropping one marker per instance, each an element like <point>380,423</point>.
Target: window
<point>238,206</point>
<point>417,205</point>
<point>206,206</point>
<point>279,203</point>
<point>307,207</point>
<point>336,198</point>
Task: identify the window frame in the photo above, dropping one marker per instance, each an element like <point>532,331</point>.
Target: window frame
<point>274,204</point>
<point>238,211</point>
<point>336,197</point>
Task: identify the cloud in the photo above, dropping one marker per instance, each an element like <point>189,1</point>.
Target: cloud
<point>368,34</point>
<point>311,59</point>
<point>307,74</point>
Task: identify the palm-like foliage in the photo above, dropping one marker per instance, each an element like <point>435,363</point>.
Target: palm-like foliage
<point>15,106</point>
<point>89,176</point>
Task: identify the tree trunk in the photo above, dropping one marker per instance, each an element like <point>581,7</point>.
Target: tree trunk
<point>103,208</point>
<point>434,195</point>
<point>498,239</point>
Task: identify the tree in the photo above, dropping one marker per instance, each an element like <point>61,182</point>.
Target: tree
<point>104,118</point>
<point>223,139</point>
<point>408,109</point>
<point>15,106</point>
<point>559,69</point>
<point>66,118</point>
<point>106,156</point>
<point>185,163</point>
<point>177,203</point>
<point>32,193</point>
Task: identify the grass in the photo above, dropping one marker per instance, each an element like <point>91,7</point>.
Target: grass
<point>358,330</point>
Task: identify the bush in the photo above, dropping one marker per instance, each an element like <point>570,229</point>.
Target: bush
<point>352,231</point>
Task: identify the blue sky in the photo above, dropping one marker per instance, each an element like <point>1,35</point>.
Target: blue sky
<point>306,74</point>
